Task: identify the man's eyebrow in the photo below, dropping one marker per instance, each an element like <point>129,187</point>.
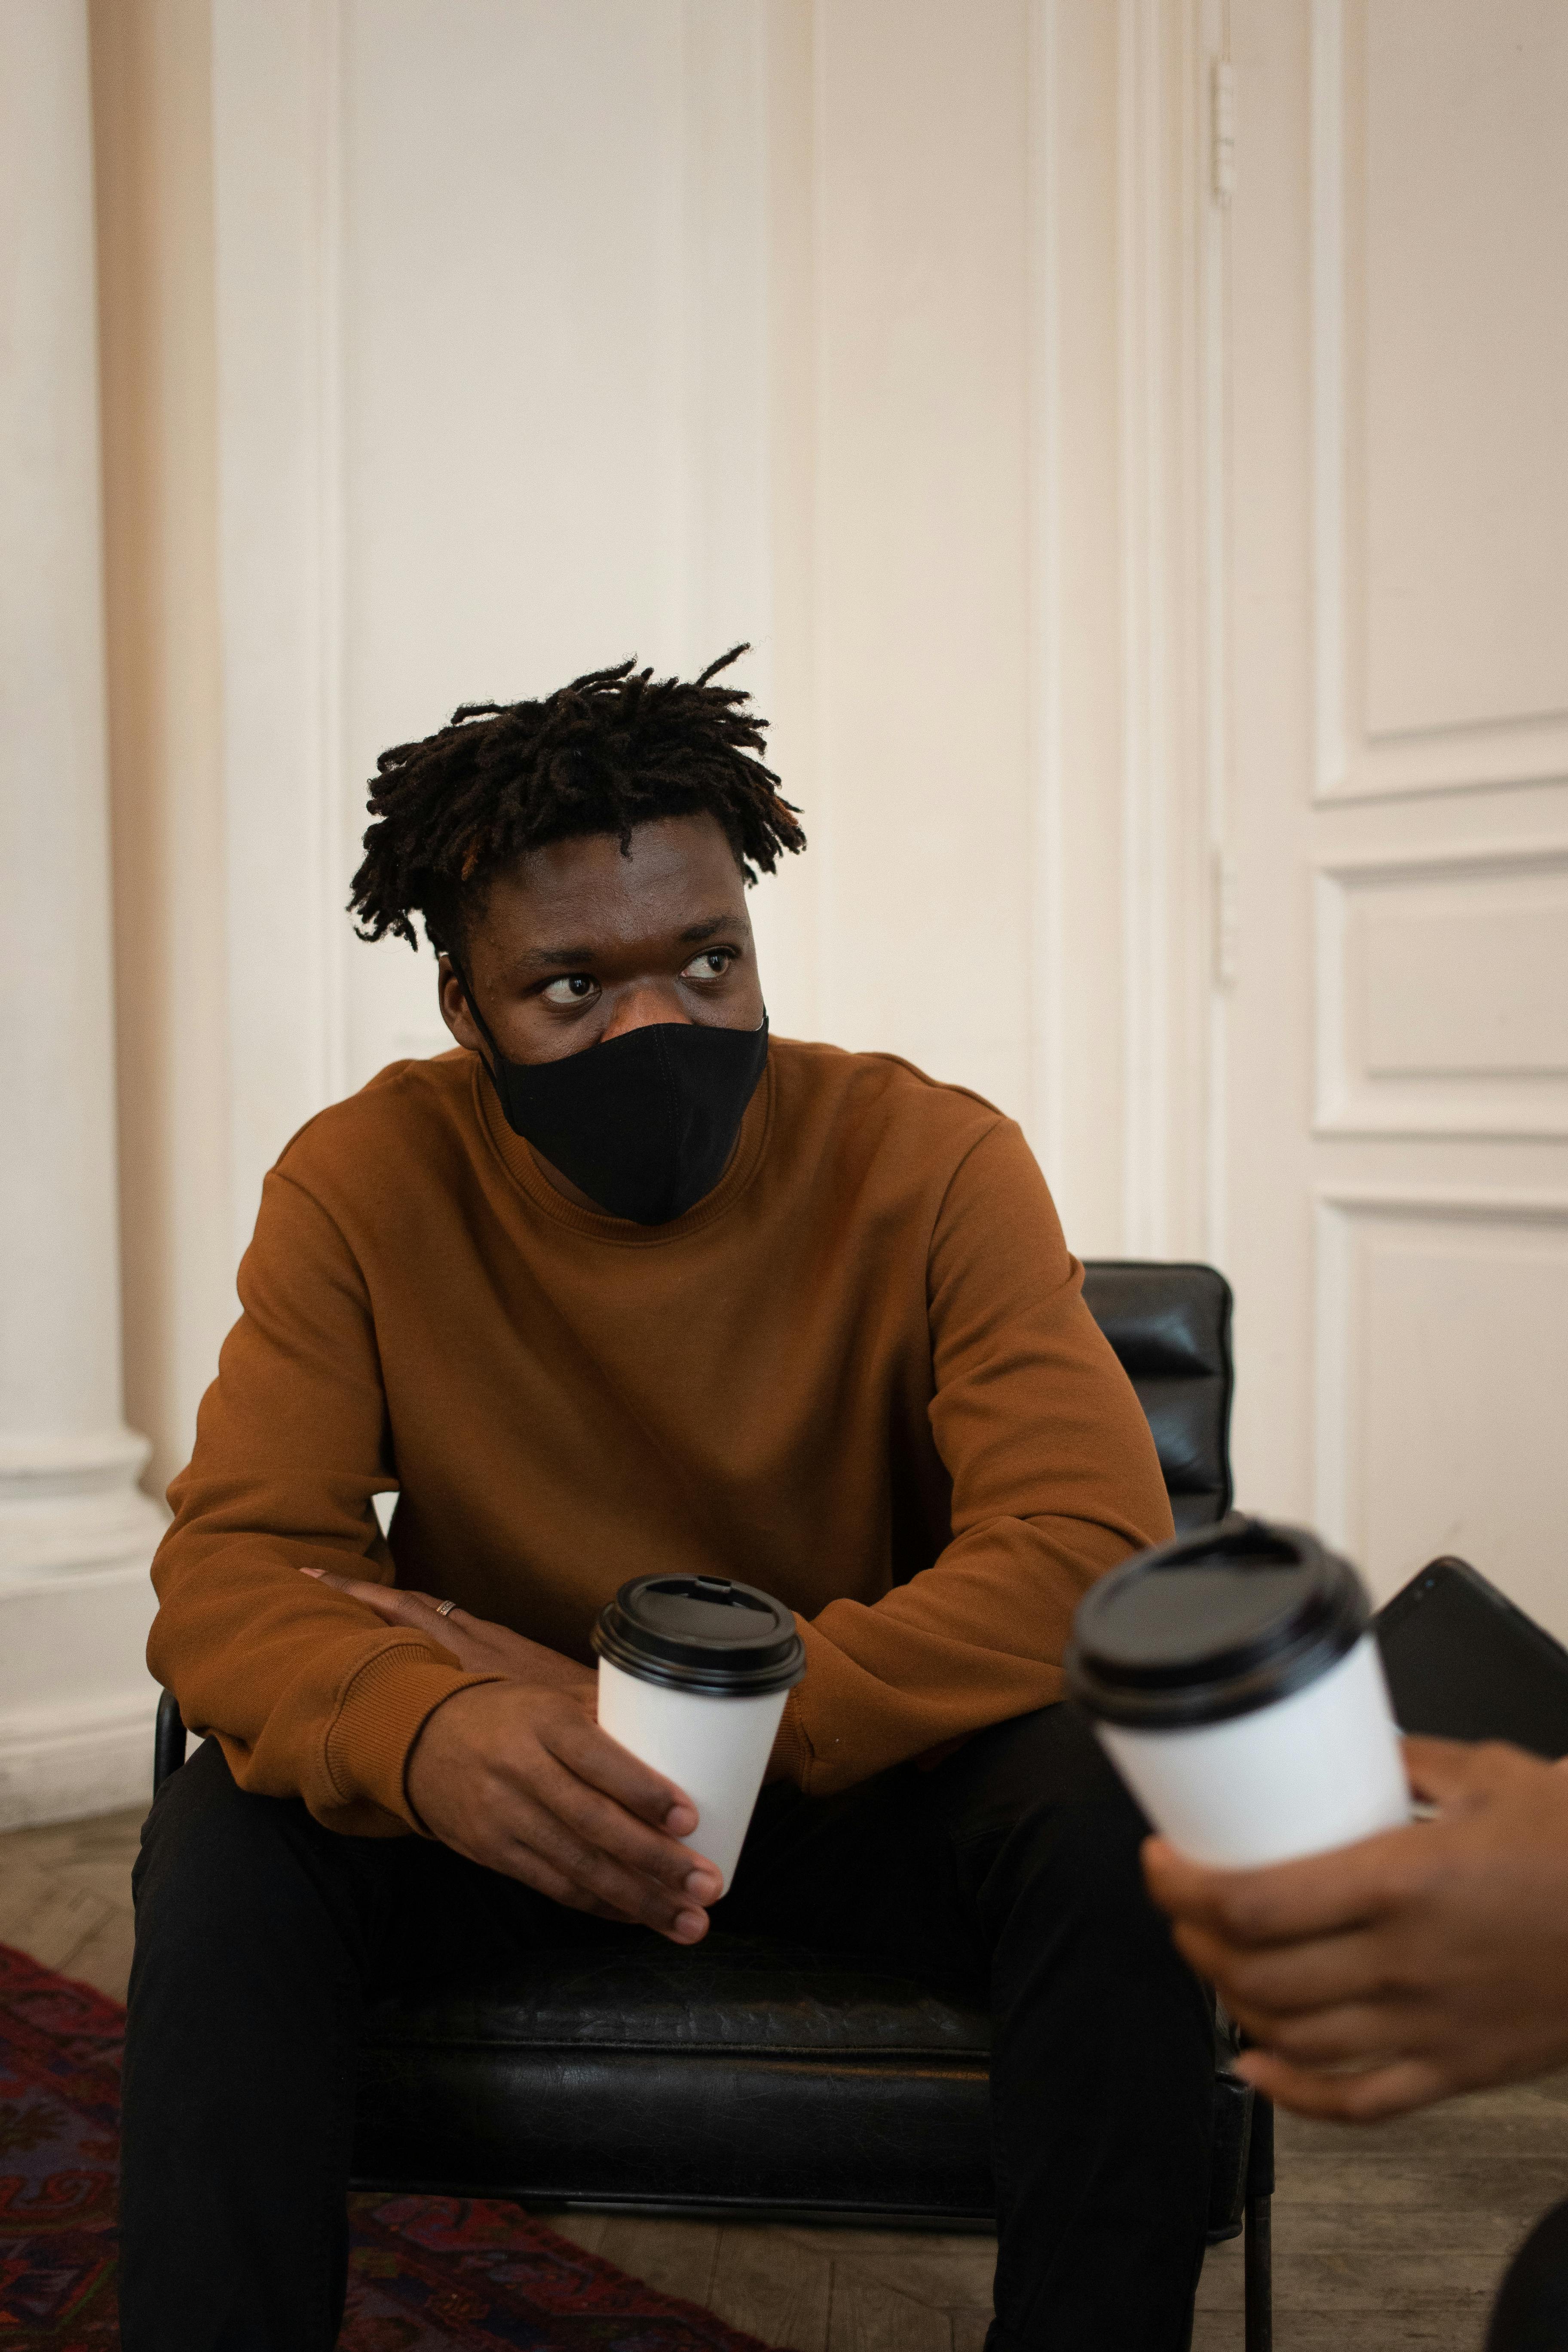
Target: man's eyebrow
<point>576,958</point>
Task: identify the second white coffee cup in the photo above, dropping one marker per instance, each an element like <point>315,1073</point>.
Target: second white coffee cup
<point>694,1672</point>
<point>1234,1681</point>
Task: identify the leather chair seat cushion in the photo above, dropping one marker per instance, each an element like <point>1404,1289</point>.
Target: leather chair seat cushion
<point>742,2077</point>
<point>732,1993</point>
<point>677,2130</point>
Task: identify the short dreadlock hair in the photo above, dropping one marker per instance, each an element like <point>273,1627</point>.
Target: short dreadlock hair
<point>601,755</point>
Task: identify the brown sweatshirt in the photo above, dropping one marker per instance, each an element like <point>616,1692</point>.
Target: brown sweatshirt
<point>859,1374</point>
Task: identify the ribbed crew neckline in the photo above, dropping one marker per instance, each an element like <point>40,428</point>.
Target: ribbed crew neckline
<point>521,1163</point>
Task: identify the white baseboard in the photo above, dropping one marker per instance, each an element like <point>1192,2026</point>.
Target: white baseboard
<point>77,1702</point>
<point>81,1763</point>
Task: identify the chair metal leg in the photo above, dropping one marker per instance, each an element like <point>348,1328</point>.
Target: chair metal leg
<point>1257,2253</point>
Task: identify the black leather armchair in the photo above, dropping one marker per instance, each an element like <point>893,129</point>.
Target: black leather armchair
<point>754,2081</point>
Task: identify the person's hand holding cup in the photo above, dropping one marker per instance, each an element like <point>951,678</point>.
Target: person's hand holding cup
<point>694,1672</point>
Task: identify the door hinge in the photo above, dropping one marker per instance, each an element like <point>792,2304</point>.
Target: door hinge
<point>1222,122</point>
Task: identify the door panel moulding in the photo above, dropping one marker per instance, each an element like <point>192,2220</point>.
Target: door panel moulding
<point>1352,762</point>
<point>1462,1232</point>
<point>1509,902</point>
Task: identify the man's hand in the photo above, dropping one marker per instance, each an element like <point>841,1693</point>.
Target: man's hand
<point>478,1646</point>
<point>1429,1960</point>
<point>518,1776</point>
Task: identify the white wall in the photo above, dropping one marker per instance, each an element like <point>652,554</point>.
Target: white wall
<point>490,415</point>
<point>550,335</point>
<point>537,344</point>
<point>1122,585</point>
<point>920,344</point>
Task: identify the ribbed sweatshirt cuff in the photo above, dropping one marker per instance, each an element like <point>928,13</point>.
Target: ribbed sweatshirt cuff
<point>384,1709</point>
<point>792,1755</point>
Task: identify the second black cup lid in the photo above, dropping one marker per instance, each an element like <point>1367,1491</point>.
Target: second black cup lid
<point>1222,1622</point>
<point>702,1633</point>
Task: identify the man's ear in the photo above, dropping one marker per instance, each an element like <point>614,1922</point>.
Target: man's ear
<point>453,1004</point>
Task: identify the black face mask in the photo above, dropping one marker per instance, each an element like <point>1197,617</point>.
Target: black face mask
<point>644,1124</point>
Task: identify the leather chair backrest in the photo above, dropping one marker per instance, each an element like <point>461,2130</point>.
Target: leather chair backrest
<point>1169,1326</point>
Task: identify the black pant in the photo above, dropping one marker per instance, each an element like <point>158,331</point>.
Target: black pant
<point>1531,2310</point>
<point>1009,1870</point>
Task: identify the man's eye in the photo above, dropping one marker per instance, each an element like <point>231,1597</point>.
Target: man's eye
<point>711,964</point>
<point>576,988</point>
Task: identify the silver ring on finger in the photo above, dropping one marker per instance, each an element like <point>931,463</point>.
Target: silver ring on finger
<point>445,1608</point>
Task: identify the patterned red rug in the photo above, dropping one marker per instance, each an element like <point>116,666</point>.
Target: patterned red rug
<point>426,2273</point>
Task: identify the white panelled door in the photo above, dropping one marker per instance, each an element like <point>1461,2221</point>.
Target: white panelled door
<point>1397,1025</point>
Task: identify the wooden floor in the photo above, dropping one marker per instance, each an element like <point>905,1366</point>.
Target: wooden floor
<point>1383,2240</point>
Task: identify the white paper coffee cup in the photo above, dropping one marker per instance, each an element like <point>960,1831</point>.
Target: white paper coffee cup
<point>1233,1682</point>
<point>694,1672</point>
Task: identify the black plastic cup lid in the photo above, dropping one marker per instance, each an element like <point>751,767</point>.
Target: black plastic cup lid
<point>1219,1623</point>
<point>702,1633</point>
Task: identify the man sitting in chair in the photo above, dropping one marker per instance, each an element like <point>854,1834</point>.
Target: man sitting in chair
<point>620,1285</point>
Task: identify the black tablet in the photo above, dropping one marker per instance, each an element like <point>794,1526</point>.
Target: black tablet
<point>1463,1663</point>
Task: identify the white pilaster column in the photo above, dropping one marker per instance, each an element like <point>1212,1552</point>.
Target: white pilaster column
<point>76,1534</point>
